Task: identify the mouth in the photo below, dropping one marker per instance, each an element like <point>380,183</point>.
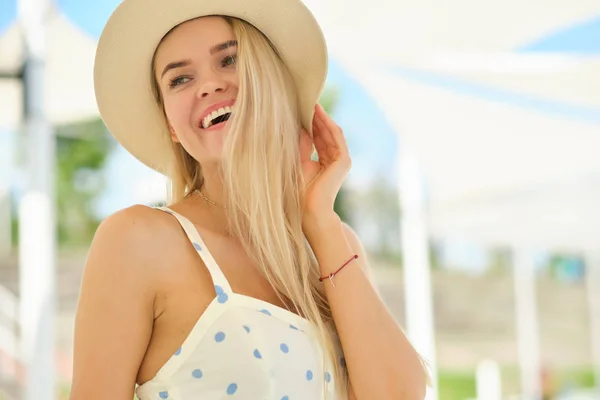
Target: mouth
<point>217,117</point>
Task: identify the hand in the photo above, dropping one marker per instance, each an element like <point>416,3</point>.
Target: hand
<point>323,178</point>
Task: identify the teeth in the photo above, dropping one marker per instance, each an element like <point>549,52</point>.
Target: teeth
<point>207,121</point>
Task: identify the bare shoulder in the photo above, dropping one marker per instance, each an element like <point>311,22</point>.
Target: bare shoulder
<point>137,234</point>
<point>135,223</point>
<point>115,311</point>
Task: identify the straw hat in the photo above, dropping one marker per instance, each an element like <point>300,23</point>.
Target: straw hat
<point>123,70</point>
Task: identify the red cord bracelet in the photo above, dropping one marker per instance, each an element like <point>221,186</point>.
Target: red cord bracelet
<point>331,275</point>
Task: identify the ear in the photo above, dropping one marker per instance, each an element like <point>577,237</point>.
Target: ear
<point>172,131</point>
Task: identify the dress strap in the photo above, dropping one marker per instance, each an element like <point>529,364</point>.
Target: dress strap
<point>221,283</point>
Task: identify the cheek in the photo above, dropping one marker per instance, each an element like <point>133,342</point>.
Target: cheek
<point>178,111</point>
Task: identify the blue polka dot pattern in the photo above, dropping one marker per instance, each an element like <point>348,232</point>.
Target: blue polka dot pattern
<point>219,337</point>
<point>231,389</point>
<point>218,354</point>
<point>197,373</point>
<point>309,375</point>
<point>221,295</point>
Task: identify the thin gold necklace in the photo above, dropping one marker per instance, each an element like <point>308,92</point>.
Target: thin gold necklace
<point>209,202</point>
<point>206,199</point>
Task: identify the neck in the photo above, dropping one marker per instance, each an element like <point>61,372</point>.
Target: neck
<point>213,189</point>
<point>212,197</point>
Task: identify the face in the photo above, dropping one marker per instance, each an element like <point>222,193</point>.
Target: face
<point>196,74</point>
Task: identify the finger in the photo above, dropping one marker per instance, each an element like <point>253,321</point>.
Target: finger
<point>325,121</point>
<point>326,137</point>
<point>330,150</point>
<point>323,149</point>
<point>321,130</point>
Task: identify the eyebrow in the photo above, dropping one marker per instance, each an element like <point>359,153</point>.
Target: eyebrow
<point>223,46</point>
<point>176,64</point>
<point>213,50</point>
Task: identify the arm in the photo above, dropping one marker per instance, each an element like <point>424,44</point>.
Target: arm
<point>381,362</point>
<point>115,310</point>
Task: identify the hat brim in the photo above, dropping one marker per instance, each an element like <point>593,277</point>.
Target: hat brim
<point>123,70</point>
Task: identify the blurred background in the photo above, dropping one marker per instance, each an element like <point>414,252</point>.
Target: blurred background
<point>474,129</point>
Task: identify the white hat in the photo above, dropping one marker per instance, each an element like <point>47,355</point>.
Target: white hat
<point>123,65</point>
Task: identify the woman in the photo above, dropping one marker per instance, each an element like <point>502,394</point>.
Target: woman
<point>248,286</point>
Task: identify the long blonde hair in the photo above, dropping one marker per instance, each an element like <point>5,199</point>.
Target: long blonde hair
<point>262,177</point>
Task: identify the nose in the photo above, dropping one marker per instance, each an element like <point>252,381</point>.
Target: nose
<point>210,85</point>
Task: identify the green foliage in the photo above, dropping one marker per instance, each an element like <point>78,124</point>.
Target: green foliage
<point>456,385</point>
<point>576,377</point>
<point>329,99</point>
<point>461,384</point>
<point>81,152</point>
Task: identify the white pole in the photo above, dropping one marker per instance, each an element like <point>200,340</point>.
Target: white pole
<point>415,249</point>
<point>592,280</point>
<point>488,381</point>
<point>36,216</point>
<point>527,323</point>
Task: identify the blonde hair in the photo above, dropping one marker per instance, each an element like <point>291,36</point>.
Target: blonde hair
<point>262,177</point>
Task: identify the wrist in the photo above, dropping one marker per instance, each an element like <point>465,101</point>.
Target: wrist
<point>316,222</point>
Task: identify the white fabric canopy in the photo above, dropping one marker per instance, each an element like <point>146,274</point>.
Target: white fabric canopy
<point>504,138</point>
<point>480,145</point>
<point>408,31</point>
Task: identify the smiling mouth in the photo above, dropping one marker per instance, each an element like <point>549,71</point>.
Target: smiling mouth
<point>216,117</point>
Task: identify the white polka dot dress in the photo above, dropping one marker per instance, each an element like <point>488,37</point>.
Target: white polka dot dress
<point>242,348</point>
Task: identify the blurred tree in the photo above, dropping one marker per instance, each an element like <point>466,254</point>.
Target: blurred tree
<point>81,153</point>
<point>329,100</point>
<point>385,208</point>
<point>380,213</point>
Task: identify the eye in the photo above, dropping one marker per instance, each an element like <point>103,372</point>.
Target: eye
<point>180,80</point>
<point>229,60</point>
